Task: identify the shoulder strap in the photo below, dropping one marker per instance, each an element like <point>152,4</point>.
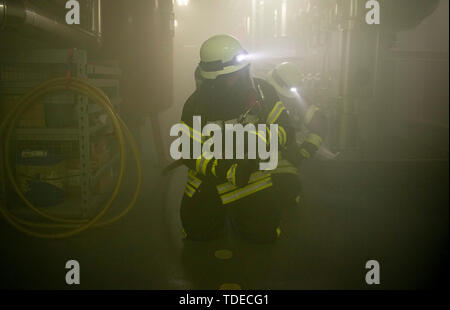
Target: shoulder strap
<point>263,109</point>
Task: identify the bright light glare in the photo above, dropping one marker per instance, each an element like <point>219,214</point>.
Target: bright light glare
<point>294,89</point>
<point>182,2</point>
<point>241,57</point>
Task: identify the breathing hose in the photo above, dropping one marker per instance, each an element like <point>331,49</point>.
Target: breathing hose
<point>122,133</point>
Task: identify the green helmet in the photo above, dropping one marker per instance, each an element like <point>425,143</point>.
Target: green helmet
<point>286,78</point>
<point>221,54</point>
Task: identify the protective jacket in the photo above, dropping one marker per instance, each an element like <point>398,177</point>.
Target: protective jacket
<point>259,105</point>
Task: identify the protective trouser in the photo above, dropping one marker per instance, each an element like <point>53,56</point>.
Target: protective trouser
<point>255,217</point>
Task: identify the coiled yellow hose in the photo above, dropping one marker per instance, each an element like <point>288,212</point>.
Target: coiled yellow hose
<point>73,227</point>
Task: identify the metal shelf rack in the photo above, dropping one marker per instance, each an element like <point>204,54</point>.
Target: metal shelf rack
<point>19,73</point>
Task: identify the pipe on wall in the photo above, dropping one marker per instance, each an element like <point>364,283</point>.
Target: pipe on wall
<point>24,19</point>
<point>347,111</point>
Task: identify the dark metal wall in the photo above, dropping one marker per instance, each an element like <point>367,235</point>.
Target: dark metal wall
<point>139,36</point>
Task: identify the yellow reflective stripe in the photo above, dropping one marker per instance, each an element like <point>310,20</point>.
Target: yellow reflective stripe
<point>314,139</point>
<point>186,130</point>
<point>190,191</point>
<point>213,168</point>
<point>225,187</point>
<point>246,191</point>
<point>282,135</point>
<point>202,162</point>
<point>255,176</point>
<point>231,174</point>
<point>194,134</point>
<point>305,153</point>
<point>258,175</point>
<point>198,163</point>
<point>194,131</point>
<point>310,113</point>
<point>193,180</point>
<point>194,183</point>
<point>190,188</point>
<point>268,133</point>
<point>192,174</point>
<point>190,135</point>
<point>275,113</point>
<point>204,165</point>
<point>259,134</point>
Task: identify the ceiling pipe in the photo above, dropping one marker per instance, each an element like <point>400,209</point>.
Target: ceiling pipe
<point>22,18</point>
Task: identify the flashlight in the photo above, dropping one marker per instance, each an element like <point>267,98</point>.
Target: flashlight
<point>241,57</point>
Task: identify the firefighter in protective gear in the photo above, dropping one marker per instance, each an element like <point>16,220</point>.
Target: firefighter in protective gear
<point>198,77</point>
<point>217,187</point>
<point>310,123</point>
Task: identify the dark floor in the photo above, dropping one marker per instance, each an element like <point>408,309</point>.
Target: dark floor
<point>352,212</point>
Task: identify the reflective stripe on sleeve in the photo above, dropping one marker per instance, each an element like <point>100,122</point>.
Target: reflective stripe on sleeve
<point>310,113</point>
<point>194,181</point>
<point>202,162</point>
<point>194,134</point>
<point>193,175</point>
<point>305,153</point>
<point>189,190</point>
<point>260,134</point>
<point>314,139</point>
<point>282,135</point>
<point>275,113</point>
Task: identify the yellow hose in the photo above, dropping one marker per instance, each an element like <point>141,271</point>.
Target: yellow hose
<point>75,226</point>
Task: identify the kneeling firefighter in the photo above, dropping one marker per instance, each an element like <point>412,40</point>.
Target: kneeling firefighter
<point>310,123</point>
<point>254,199</point>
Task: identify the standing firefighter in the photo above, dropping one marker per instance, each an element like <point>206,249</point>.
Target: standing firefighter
<point>310,123</point>
<point>254,199</point>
